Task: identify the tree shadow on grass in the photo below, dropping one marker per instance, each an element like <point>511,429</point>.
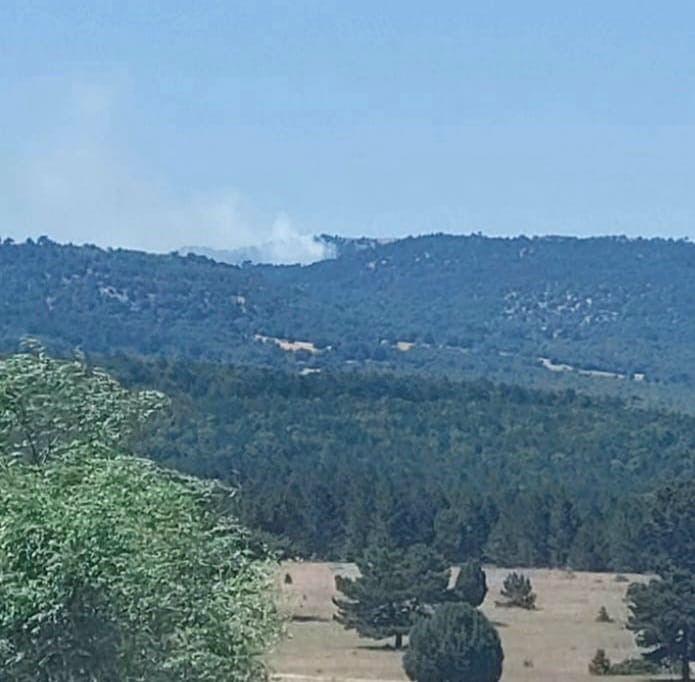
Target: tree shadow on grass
<point>387,648</point>
<point>300,618</point>
<point>499,624</point>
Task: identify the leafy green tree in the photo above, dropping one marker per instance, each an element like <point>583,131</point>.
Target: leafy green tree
<point>662,616</point>
<point>48,406</point>
<point>394,585</point>
<point>456,643</point>
<point>112,568</point>
<point>470,585</point>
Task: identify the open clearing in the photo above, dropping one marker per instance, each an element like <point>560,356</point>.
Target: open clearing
<point>557,641</point>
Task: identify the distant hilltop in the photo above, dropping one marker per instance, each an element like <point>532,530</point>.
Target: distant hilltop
<point>311,249</point>
<point>606,314</point>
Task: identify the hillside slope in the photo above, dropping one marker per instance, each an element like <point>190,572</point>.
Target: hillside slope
<point>605,314</point>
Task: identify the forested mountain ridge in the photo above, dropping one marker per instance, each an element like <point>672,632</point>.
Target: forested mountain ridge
<point>329,463</point>
<point>543,311</point>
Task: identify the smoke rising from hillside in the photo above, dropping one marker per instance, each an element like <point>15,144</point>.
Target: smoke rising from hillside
<point>80,183</point>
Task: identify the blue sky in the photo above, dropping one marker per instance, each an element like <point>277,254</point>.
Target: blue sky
<point>160,124</point>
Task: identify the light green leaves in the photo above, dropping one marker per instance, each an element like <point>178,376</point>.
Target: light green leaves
<point>111,568</point>
<point>49,406</point>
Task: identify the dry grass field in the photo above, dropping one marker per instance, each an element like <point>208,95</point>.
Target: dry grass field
<point>552,644</point>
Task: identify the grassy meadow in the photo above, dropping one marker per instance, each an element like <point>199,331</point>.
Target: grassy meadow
<point>553,643</point>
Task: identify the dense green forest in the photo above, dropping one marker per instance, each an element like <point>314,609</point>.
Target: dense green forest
<point>349,437</point>
<point>601,315</point>
<point>329,463</point>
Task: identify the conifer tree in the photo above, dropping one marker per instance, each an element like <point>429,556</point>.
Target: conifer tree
<point>470,586</point>
<point>456,643</point>
<point>394,585</point>
<point>517,590</point>
<point>663,611</point>
<point>662,616</point>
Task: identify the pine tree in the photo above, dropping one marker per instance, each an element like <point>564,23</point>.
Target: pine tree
<point>470,586</point>
<point>663,611</point>
<point>662,616</point>
<point>600,664</point>
<point>517,591</point>
<point>461,530</point>
<point>590,549</point>
<point>394,585</point>
<point>456,643</point>
<point>670,528</point>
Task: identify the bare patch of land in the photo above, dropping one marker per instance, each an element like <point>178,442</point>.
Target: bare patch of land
<point>289,345</point>
<point>553,643</point>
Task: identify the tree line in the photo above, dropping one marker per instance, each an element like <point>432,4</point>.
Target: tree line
<point>327,463</point>
<point>465,305</point>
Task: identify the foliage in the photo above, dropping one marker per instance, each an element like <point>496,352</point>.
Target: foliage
<point>662,616</point>
<point>393,586</point>
<point>112,570</point>
<point>517,591</point>
<point>603,616</point>
<point>470,585</point>
<point>670,527</point>
<point>601,304</point>
<point>455,643</point>
<point>663,611</point>
<point>50,406</point>
<point>326,462</point>
<point>600,664</point>
<point>635,666</point>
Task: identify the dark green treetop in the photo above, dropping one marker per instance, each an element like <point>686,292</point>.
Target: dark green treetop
<point>456,643</point>
<point>394,584</point>
<point>517,591</point>
<point>670,527</point>
<point>470,585</point>
<point>662,616</point>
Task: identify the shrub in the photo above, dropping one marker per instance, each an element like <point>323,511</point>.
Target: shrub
<point>113,569</point>
<point>635,666</point>
<point>600,664</point>
<point>603,616</point>
<point>517,591</point>
<point>455,643</point>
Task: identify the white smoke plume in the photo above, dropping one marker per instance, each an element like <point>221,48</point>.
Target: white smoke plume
<point>76,183</point>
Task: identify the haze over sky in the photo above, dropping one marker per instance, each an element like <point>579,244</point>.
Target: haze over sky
<point>156,125</point>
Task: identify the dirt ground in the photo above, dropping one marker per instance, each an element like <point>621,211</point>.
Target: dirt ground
<point>552,644</point>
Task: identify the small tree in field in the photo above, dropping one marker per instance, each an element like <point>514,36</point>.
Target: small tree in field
<point>470,586</point>
<point>603,616</point>
<point>456,643</point>
<point>394,585</point>
<point>517,591</point>
<point>600,664</point>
